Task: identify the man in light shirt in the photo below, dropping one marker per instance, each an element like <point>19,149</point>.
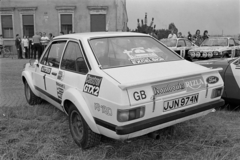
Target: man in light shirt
<point>172,35</point>
<point>36,45</point>
<point>25,45</point>
<point>44,40</point>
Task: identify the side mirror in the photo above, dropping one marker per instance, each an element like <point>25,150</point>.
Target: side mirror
<point>34,62</point>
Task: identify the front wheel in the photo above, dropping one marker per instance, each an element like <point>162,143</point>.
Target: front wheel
<point>81,133</point>
<point>31,98</point>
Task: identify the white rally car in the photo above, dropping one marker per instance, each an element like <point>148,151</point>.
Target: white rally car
<point>121,85</point>
<point>180,46</point>
<point>216,47</point>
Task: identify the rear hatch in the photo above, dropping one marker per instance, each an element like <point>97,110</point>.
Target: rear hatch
<point>162,81</point>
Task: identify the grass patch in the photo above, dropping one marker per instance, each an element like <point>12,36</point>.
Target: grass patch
<point>42,132</point>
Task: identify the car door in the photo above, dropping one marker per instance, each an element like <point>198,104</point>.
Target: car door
<point>50,65</point>
<point>232,47</point>
<point>237,49</point>
<point>39,75</point>
<point>181,46</point>
<point>73,69</point>
<point>232,80</point>
<point>189,46</point>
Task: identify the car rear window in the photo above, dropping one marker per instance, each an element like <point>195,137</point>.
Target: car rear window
<point>127,51</point>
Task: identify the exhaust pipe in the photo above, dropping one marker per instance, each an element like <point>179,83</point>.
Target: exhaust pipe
<point>154,135</point>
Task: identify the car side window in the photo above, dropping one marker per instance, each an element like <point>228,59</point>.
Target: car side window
<point>181,43</point>
<point>53,55</point>
<point>73,59</point>
<point>188,43</point>
<point>231,42</point>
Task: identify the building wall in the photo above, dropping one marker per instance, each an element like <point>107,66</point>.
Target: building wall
<point>46,13</point>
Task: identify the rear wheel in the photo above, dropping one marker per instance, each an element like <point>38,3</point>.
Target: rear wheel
<point>81,133</point>
<point>31,98</point>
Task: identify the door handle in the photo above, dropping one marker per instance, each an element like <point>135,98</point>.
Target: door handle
<point>54,73</point>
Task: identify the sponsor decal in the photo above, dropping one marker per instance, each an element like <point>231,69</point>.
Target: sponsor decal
<point>46,70</point>
<point>103,109</point>
<point>212,79</point>
<point>168,88</point>
<point>188,84</point>
<point>60,89</point>
<point>141,55</point>
<point>146,60</point>
<point>60,75</point>
<point>92,84</point>
<point>139,95</point>
<point>194,83</point>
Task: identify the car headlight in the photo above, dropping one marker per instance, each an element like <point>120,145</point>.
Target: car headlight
<point>215,53</point>
<point>198,54</point>
<point>130,114</point>
<point>204,54</point>
<point>192,54</point>
<point>210,54</point>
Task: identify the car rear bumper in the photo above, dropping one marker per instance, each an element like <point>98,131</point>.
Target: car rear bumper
<point>160,120</point>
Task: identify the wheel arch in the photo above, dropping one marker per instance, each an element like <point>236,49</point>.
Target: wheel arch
<point>72,96</point>
<point>27,78</point>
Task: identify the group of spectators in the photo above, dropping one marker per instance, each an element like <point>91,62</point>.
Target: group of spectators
<point>32,47</point>
<point>196,38</point>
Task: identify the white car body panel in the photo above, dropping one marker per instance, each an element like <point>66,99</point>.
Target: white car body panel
<point>117,88</point>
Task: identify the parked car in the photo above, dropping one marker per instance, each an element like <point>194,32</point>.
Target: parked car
<point>121,85</point>
<point>216,47</point>
<point>230,75</point>
<point>180,46</point>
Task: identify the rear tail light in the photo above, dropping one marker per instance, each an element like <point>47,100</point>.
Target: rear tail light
<point>131,114</point>
<point>217,92</point>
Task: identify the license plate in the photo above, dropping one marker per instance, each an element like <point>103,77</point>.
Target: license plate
<point>180,102</point>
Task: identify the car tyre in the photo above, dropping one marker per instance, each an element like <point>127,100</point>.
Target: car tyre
<point>83,136</point>
<point>31,98</point>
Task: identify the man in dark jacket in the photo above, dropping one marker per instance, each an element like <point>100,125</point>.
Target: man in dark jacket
<point>18,46</point>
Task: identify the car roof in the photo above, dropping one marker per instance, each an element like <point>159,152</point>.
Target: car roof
<point>173,38</point>
<point>89,35</point>
<point>219,37</point>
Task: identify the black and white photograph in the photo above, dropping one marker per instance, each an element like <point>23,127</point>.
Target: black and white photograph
<point>119,80</point>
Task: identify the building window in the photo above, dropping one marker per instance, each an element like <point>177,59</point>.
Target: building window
<point>66,23</point>
<point>28,25</point>
<point>98,22</point>
<point>7,26</point>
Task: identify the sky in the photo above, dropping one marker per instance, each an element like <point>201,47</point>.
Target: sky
<point>216,16</point>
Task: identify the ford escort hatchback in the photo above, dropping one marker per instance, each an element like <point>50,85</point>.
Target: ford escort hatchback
<point>120,85</point>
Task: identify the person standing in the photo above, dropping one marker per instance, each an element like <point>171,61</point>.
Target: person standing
<point>30,48</point>
<point>26,46</point>
<point>180,35</point>
<point>205,35</point>
<point>18,46</point>
<point>51,37</point>
<point>189,36</point>
<point>1,44</point>
<point>44,40</point>
<point>172,35</point>
<point>197,38</point>
<point>36,45</point>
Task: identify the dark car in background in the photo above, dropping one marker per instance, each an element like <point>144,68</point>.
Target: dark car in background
<point>230,75</point>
